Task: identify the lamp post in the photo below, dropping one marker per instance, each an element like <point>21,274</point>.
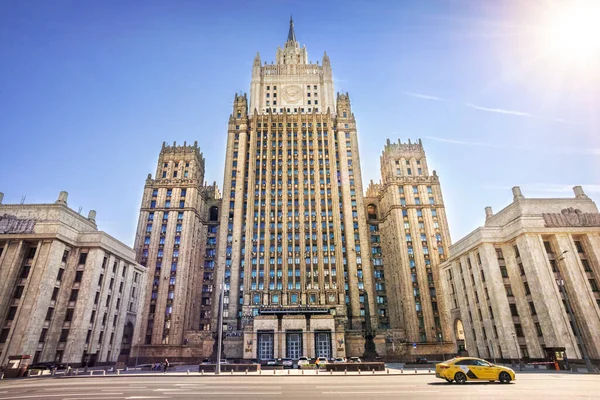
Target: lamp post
<point>518,352</point>
<point>576,330</point>
<point>220,330</point>
<point>137,353</point>
<point>492,350</point>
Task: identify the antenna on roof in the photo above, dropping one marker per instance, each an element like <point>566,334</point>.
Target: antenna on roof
<point>23,199</point>
<point>80,208</point>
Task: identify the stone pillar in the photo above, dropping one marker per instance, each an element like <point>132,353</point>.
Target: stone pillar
<point>579,193</point>
<point>488,213</point>
<point>517,195</point>
<point>62,198</point>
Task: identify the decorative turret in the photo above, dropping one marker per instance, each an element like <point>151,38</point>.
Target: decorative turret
<point>343,105</point>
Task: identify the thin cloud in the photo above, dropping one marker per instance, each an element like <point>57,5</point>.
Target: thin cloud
<point>464,143</point>
<point>552,150</point>
<point>424,96</point>
<point>547,187</point>
<point>512,112</point>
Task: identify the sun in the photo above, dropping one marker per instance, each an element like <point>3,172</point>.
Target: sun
<point>570,31</point>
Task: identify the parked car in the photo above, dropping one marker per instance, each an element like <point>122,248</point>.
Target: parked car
<point>303,361</point>
<point>272,362</point>
<point>205,361</point>
<point>421,360</point>
<point>355,360</point>
<point>339,360</point>
<point>48,365</point>
<point>287,363</point>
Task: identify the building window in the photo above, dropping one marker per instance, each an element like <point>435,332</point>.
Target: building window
<point>82,258</point>
<point>513,310</point>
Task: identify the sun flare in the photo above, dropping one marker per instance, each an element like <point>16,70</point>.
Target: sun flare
<point>571,31</point>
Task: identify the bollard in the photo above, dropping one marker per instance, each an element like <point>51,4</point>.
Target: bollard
<point>359,371</point>
<point>246,371</point>
<point>345,371</point>
<point>188,371</point>
<point>260,371</point>
<point>388,371</point>
<point>104,372</point>
<point>373,371</point>
<point>330,372</point>
<point>231,371</point>
<point>202,372</point>
<point>91,373</point>
<point>288,371</point>
<point>118,372</point>
<point>274,372</point>
<point>28,375</point>
<point>53,372</point>
<point>415,370</point>
<point>429,370</point>
<point>401,370</point>
<point>317,371</point>
<point>1,376</point>
<point>302,372</point>
<point>77,371</point>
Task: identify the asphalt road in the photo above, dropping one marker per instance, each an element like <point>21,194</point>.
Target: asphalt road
<point>527,386</point>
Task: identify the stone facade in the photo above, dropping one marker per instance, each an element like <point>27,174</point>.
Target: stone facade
<point>69,292</point>
<point>293,236</point>
<point>503,280</point>
<point>177,240</point>
<point>409,238</point>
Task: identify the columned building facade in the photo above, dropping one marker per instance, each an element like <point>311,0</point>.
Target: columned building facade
<point>69,292</point>
<point>295,259</point>
<point>409,238</point>
<point>176,241</point>
<point>508,282</point>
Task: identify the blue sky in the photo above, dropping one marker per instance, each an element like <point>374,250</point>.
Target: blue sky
<point>90,90</point>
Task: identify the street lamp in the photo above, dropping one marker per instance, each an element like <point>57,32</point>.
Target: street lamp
<point>137,352</point>
<point>518,352</point>
<point>561,285</point>
<point>492,350</point>
<point>220,328</point>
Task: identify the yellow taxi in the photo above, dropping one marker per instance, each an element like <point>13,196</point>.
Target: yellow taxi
<point>463,369</point>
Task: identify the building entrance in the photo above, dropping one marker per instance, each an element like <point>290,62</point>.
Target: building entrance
<point>323,344</point>
<point>265,346</point>
<point>294,345</point>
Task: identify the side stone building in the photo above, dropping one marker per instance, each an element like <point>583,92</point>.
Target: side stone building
<point>69,292</point>
<point>176,240</point>
<point>504,281</point>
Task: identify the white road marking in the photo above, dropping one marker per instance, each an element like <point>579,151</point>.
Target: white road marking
<point>386,392</point>
<point>55,395</point>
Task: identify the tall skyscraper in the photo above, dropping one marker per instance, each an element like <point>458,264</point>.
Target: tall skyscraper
<point>176,240</point>
<point>296,265</point>
<point>305,266</point>
<point>409,240</point>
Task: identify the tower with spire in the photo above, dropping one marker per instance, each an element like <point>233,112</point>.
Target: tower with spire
<point>294,260</point>
<point>292,83</point>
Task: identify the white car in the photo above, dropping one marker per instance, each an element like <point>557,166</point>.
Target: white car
<point>339,360</point>
<point>287,363</point>
<point>303,361</point>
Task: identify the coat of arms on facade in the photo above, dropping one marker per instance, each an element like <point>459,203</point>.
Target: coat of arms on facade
<point>12,224</point>
<point>570,217</point>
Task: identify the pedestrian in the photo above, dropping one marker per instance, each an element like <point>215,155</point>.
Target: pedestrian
<point>166,365</point>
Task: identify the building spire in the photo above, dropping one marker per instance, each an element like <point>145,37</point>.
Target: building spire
<point>291,34</point>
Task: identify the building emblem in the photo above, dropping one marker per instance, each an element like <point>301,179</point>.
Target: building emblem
<point>292,93</point>
<point>570,217</point>
<point>12,224</point>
